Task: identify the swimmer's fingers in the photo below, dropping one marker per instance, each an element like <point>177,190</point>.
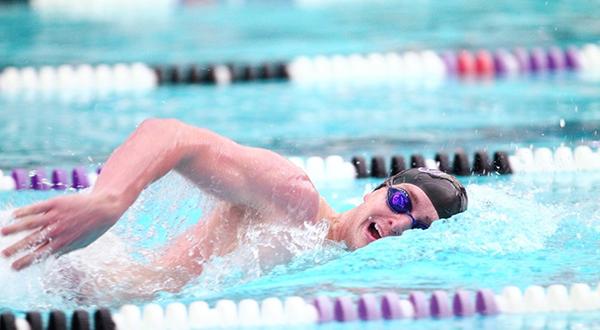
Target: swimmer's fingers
<point>41,253</point>
<point>32,240</point>
<point>26,223</point>
<point>36,208</point>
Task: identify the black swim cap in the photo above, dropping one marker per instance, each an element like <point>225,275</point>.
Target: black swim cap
<point>448,196</point>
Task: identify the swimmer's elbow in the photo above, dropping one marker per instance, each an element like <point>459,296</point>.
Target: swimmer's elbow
<point>178,132</point>
<point>177,136</point>
<point>159,125</point>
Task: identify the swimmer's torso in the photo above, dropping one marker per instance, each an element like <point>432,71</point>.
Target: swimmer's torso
<point>226,227</point>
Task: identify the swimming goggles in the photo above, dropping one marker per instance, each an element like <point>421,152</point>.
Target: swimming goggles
<point>399,202</point>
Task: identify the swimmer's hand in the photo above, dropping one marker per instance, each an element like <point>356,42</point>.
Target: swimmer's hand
<point>60,225</point>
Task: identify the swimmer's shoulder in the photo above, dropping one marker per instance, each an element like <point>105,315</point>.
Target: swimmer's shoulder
<point>325,210</point>
<point>308,202</point>
<point>303,198</point>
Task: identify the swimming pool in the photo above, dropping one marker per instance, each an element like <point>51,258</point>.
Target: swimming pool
<point>527,229</point>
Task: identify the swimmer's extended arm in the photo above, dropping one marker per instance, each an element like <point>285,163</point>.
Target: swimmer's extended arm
<point>235,173</point>
<point>241,175</point>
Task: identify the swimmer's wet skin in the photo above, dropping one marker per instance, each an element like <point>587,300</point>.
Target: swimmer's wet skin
<point>249,182</point>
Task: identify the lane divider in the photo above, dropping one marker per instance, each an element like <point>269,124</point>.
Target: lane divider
<point>523,160</point>
<point>426,65</point>
<point>83,78</point>
<point>102,9</point>
<point>59,179</point>
<point>220,73</point>
<point>297,311</point>
<point>430,65</point>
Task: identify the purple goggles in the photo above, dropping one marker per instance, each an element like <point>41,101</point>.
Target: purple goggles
<point>399,202</point>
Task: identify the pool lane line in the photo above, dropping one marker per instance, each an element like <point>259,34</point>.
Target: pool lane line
<point>59,179</point>
<point>420,66</point>
<point>297,311</point>
<point>331,168</point>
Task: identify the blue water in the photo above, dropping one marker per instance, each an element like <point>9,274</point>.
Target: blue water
<point>220,33</point>
<point>294,120</point>
<point>520,230</point>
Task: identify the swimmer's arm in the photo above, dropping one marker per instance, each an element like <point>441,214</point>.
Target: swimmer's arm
<point>168,270</point>
<point>127,280</point>
<point>185,255</point>
<point>182,258</point>
<point>234,173</point>
<point>240,175</point>
<point>171,269</point>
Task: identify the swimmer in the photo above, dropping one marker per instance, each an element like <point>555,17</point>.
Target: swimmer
<point>249,183</point>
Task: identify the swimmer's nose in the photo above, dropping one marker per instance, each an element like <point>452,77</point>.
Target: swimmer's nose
<point>399,225</point>
<point>397,230</point>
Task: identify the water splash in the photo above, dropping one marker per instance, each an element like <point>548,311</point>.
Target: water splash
<point>104,273</point>
<point>98,274</point>
<point>265,249</point>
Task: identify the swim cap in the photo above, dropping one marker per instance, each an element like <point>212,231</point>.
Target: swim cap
<point>447,195</point>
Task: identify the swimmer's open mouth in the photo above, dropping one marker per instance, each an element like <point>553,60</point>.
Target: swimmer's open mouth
<point>373,231</point>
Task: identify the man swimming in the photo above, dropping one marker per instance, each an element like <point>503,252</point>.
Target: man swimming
<point>249,183</point>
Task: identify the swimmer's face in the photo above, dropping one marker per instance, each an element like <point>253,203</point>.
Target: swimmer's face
<point>373,219</point>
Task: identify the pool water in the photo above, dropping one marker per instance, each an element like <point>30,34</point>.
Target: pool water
<point>306,121</point>
<point>520,230</point>
<point>220,33</point>
<point>526,229</point>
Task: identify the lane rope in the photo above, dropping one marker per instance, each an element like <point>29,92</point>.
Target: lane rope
<point>426,66</point>
<point>524,160</point>
<point>298,311</point>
